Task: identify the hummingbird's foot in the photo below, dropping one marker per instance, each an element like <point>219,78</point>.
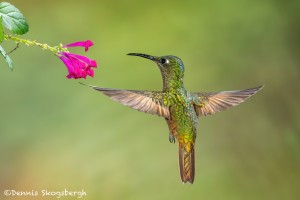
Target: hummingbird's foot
<point>171,138</point>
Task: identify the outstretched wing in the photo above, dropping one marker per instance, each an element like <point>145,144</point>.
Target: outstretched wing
<point>212,102</point>
<point>151,102</point>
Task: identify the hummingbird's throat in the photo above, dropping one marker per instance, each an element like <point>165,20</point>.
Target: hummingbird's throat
<point>171,83</point>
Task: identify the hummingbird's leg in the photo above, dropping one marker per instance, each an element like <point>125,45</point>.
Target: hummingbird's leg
<point>172,130</point>
<point>171,138</point>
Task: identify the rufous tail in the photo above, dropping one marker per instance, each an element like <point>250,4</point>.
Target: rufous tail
<point>187,164</point>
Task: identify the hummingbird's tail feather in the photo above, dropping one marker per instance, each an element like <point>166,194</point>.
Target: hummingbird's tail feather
<point>187,164</point>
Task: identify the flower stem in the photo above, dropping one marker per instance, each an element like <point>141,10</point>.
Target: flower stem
<point>55,49</point>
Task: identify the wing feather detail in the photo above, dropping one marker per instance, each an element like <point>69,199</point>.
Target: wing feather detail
<point>208,103</point>
<point>151,102</point>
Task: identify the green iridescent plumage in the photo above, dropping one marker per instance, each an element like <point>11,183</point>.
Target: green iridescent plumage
<point>180,108</point>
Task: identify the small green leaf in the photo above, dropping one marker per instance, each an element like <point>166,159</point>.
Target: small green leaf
<point>1,31</point>
<point>13,19</point>
<point>7,58</point>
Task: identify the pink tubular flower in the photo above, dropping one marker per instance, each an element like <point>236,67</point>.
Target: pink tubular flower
<point>78,66</point>
<point>86,44</point>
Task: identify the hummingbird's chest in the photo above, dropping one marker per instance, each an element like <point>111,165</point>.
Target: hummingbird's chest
<point>183,117</point>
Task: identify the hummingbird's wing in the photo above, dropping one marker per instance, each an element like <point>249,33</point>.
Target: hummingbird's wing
<point>151,102</point>
<point>208,103</point>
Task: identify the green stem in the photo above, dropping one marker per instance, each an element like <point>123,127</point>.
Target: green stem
<point>56,49</point>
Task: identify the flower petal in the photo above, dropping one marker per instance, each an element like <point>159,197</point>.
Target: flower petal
<point>86,44</point>
<point>86,60</point>
<point>91,73</point>
<point>78,66</point>
<point>68,64</point>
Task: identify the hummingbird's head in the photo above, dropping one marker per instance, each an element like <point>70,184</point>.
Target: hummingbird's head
<point>168,65</point>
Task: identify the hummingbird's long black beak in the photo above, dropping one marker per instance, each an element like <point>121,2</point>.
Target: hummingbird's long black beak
<point>143,55</point>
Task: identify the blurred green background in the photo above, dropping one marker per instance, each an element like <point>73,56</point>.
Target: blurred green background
<point>56,134</point>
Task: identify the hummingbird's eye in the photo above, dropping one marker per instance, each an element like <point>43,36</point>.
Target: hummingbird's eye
<point>163,61</point>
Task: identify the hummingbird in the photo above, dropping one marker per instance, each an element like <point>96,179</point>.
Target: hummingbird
<point>180,108</point>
